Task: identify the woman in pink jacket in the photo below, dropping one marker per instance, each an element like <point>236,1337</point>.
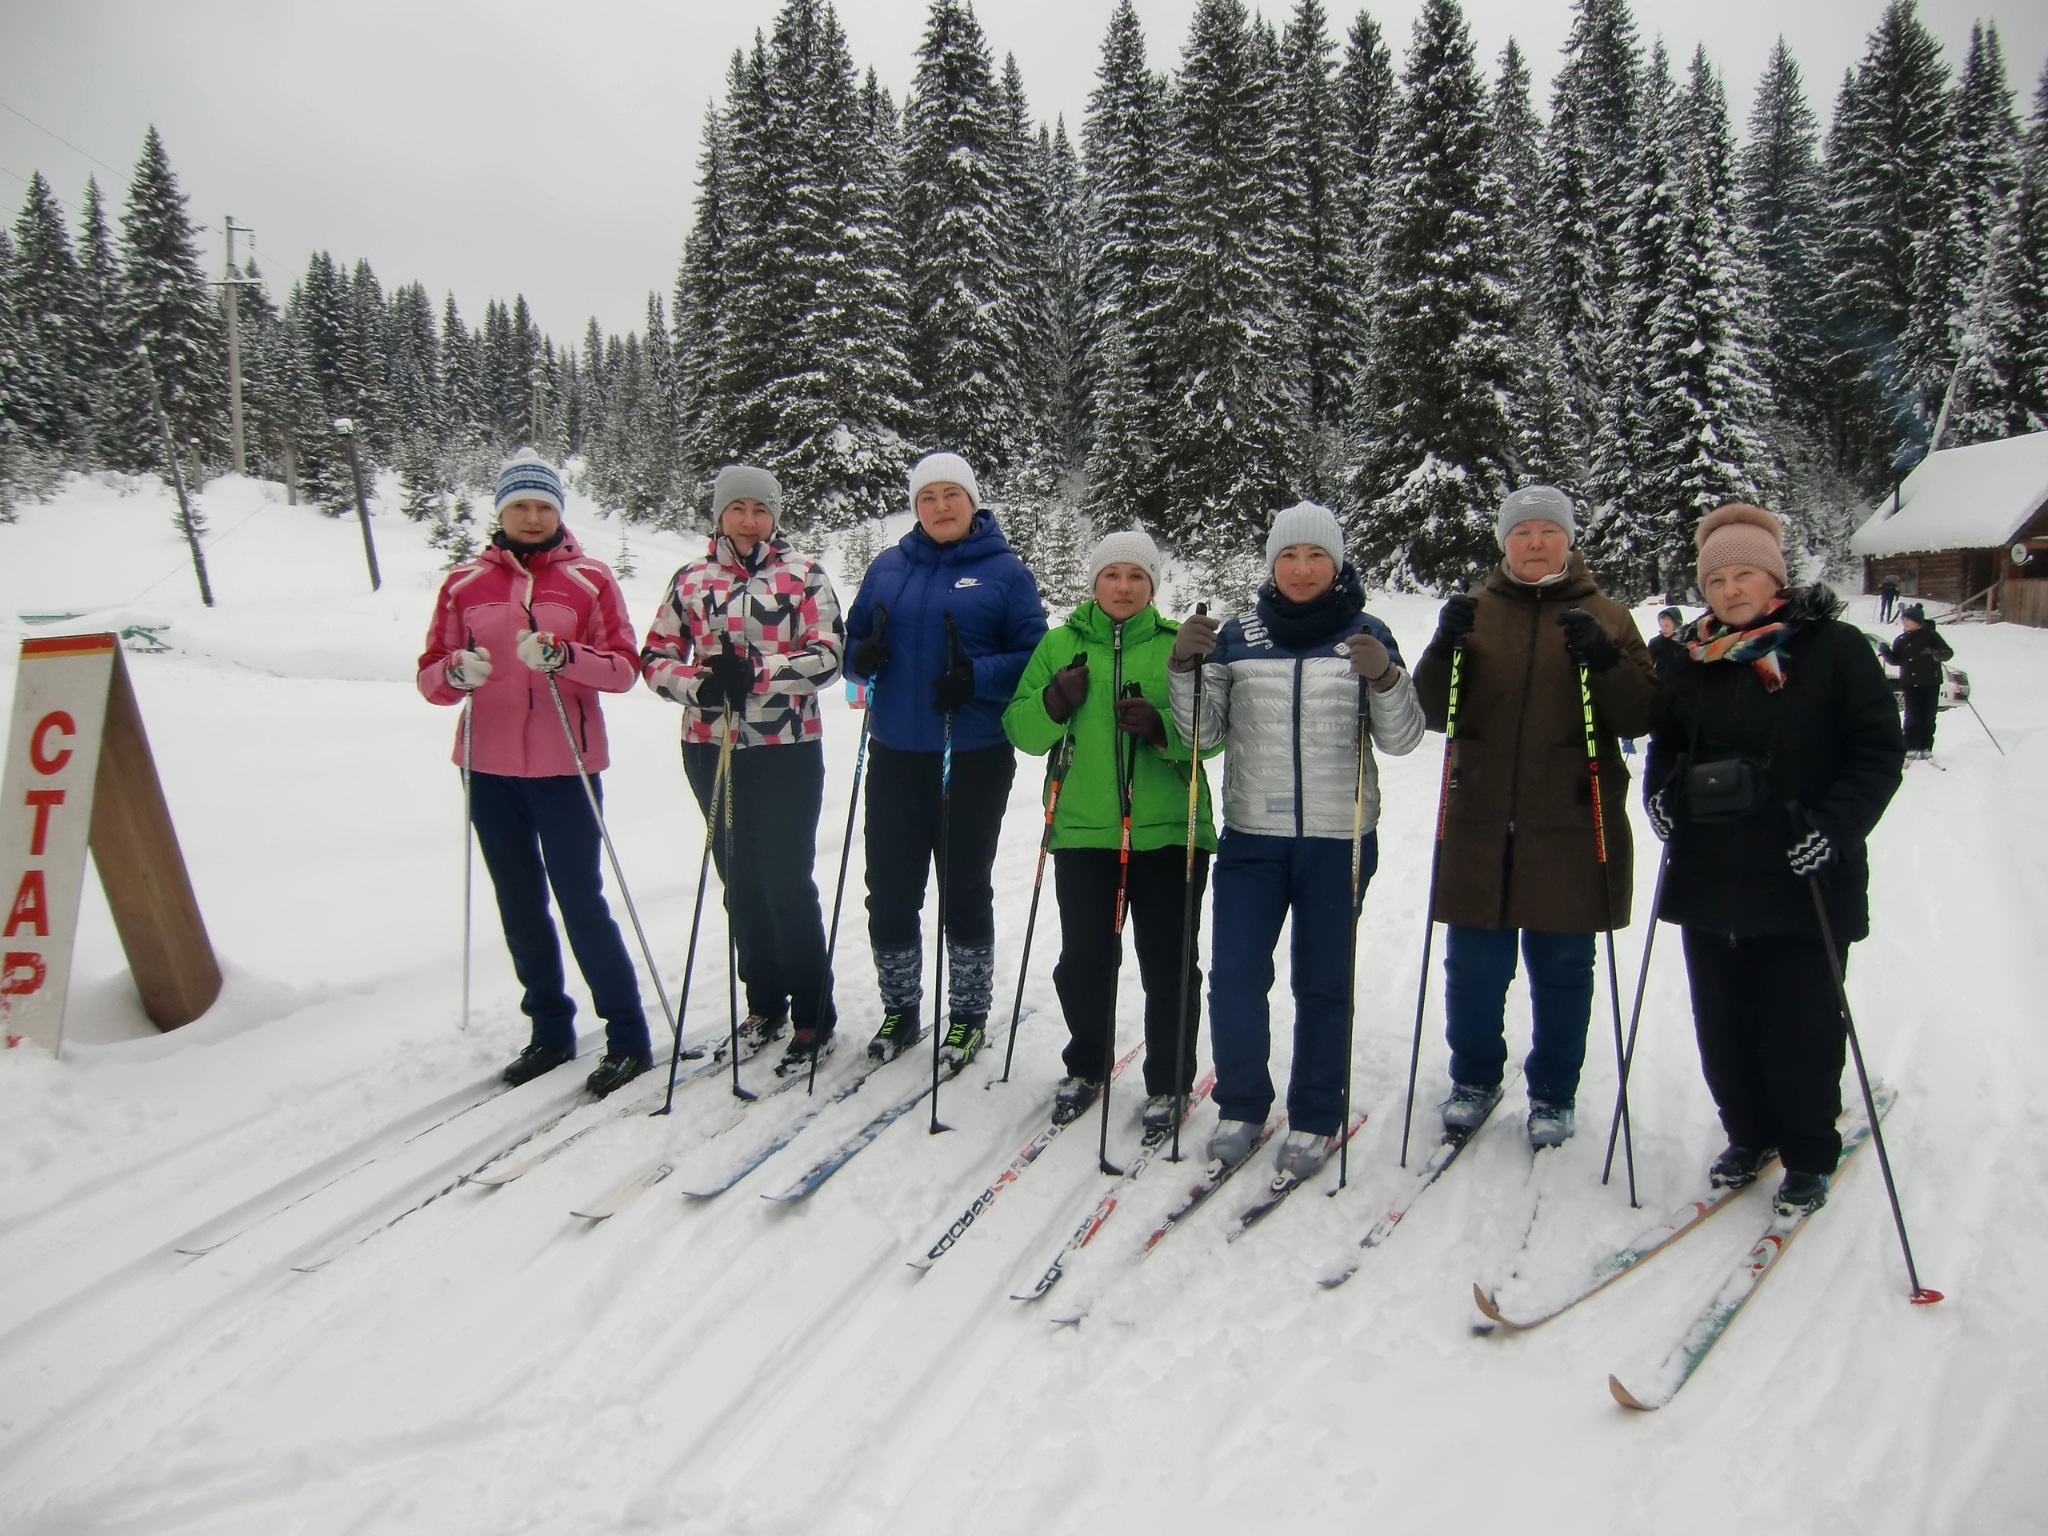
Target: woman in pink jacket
<point>530,607</point>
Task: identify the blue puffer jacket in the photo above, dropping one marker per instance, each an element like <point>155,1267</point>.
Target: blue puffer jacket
<point>995,606</point>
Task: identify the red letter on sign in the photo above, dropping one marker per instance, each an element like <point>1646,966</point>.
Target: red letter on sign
<point>21,972</point>
<point>63,725</point>
<point>31,908</point>
<point>42,800</point>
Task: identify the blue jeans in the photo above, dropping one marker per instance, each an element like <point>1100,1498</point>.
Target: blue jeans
<point>1259,882</point>
<point>1478,965</point>
<point>535,834</point>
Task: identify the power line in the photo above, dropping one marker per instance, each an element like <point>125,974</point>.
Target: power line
<point>95,159</point>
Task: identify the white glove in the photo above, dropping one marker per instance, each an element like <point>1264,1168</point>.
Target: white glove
<point>543,652</point>
<point>468,670</point>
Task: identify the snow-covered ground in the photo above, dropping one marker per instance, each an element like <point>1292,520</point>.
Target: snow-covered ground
<point>492,1364</point>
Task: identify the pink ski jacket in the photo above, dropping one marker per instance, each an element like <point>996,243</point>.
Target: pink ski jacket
<point>780,612</point>
<point>486,602</point>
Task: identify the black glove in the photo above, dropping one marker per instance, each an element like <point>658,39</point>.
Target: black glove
<point>727,678</point>
<point>1659,807</point>
<point>1810,854</point>
<point>1454,622</point>
<point>1069,686</point>
<point>870,653</point>
<point>1140,718</point>
<point>1590,645</point>
<point>952,690</point>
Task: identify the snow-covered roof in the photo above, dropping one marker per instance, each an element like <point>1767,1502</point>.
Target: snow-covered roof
<point>1962,498</point>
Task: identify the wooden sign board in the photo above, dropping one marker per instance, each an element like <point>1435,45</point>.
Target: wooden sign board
<point>79,776</point>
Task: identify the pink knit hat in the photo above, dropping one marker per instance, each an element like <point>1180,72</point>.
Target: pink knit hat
<point>1738,534</point>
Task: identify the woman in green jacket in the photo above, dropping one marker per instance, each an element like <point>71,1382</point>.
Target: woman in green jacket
<point>1097,686</point>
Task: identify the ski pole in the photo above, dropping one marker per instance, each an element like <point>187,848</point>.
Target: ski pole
<point>1628,1144</point>
<point>1987,728</point>
<point>1357,895</point>
<point>1635,1016</point>
<point>1063,759</point>
<point>1436,861</point>
<point>1920,1296</point>
<point>860,762</point>
<point>941,980</point>
<point>1125,769</point>
<point>604,833</point>
<point>725,878</point>
<point>1187,915</point>
<point>697,914</point>
<point>468,854</point>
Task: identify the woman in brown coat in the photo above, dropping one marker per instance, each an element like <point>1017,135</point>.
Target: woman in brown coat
<point>1519,859</point>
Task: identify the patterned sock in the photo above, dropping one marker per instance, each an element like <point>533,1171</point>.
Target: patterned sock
<point>973,978</point>
<point>900,973</point>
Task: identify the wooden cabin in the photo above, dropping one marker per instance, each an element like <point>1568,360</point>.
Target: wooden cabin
<point>1969,527</point>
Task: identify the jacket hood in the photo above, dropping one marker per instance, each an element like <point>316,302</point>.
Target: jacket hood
<point>1577,583</point>
<point>1091,623</point>
<point>1810,605</point>
<point>984,538</point>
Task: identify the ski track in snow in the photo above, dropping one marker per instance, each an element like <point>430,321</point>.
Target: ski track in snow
<point>490,1363</point>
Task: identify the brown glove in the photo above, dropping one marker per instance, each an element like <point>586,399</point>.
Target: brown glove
<point>1069,686</point>
<point>1140,718</point>
<point>1369,660</point>
<point>1197,638</point>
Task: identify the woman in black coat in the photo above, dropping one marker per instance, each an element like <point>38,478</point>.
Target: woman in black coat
<point>1778,754</point>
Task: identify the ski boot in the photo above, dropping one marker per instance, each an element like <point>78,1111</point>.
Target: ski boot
<point>1233,1140</point>
<point>614,1072</point>
<point>1802,1193</point>
<point>1070,1100</point>
<point>1550,1123</point>
<point>1159,1111</point>
<point>1737,1167</point>
<point>1302,1153</point>
<point>899,1032</point>
<point>804,1045</point>
<point>535,1061</point>
<point>964,1036</point>
<point>1467,1108</point>
<point>757,1029</point>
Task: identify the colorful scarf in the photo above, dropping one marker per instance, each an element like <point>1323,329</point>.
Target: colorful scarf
<point>1758,644</point>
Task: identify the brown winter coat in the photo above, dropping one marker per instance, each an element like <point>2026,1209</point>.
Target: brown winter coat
<point>1518,832</point>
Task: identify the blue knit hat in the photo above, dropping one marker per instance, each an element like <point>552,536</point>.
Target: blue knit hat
<point>529,477</point>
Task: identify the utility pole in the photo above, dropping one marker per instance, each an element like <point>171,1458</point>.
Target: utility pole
<point>163,428</point>
<point>347,430</point>
<point>228,285</point>
<point>539,418</point>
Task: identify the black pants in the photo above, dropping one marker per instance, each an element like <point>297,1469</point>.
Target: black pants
<point>1771,1042</point>
<point>537,834</point>
<point>1091,954</point>
<point>777,794</point>
<point>903,833</point>
<point>1922,702</point>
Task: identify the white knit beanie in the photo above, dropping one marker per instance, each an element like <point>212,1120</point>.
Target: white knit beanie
<point>935,468</point>
<point>1133,546</point>
<point>1306,523</point>
<point>1538,503</point>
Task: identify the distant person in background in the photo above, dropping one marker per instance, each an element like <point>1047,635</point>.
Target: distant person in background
<point>1918,653</point>
<point>1521,866</point>
<point>1779,753</point>
<point>941,630</point>
<point>1665,647</point>
<point>1887,599</point>
<point>530,607</point>
<point>749,634</point>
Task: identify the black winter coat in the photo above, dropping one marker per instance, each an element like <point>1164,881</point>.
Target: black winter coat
<point>1918,654</point>
<point>1829,749</point>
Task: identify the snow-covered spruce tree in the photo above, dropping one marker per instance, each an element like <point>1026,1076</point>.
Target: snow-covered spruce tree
<point>700,303</point>
<point>1439,449</point>
<point>1783,212</point>
<point>1123,482</point>
<point>99,336</point>
<point>1122,143</point>
<point>1319,246</point>
<point>413,366</point>
<point>1064,355</point>
<point>1545,436</point>
<point>1230,398</point>
<point>265,418</point>
<point>48,301</point>
<point>10,399</point>
<point>1369,97</point>
<point>167,305</point>
<point>464,412</point>
<point>961,262</point>
<point>371,408</point>
<point>662,437</point>
<point>2003,389</point>
<point>1886,195</point>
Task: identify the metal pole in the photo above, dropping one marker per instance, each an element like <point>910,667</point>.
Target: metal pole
<point>942,972</point>
<point>860,761</point>
<point>163,427</point>
<point>1635,1017</point>
<point>355,468</point>
<point>468,852</point>
<point>234,351</point>
<point>1436,860</point>
<point>696,926</point>
<point>1987,729</point>
<point>1357,894</point>
<point>1921,1296</point>
<point>1063,758</point>
<point>1628,1144</point>
<point>1187,914</point>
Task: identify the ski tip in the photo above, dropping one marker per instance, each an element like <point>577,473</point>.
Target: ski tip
<point>1626,1398</point>
<point>1485,1303</point>
<point>1336,1277</point>
<point>591,1216</point>
<point>1925,1298</point>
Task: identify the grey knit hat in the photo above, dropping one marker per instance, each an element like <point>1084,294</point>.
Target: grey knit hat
<point>1306,523</point>
<point>1133,546</point>
<point>737,480</point>
<point>1541,502</point>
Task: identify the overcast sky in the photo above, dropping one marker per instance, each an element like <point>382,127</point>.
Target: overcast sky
<point>492,147</point>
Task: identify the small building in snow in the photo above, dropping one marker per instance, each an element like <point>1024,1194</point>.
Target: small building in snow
<point>1969,526</point>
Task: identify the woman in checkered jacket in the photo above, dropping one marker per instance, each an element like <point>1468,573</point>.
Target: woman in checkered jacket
<point>744,640</point>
